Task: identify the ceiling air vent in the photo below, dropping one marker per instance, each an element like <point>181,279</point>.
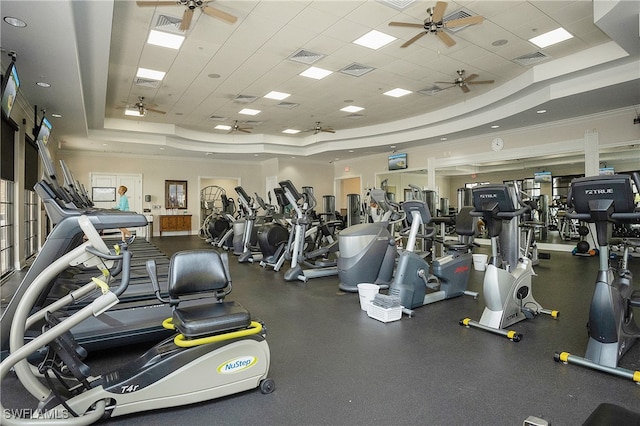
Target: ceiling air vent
<point>531,58</point>
<point>145,82</point>
<point>431,90</point>
<point>217,118</point>
<point>356,70</point>
<point>288,105</point>
<point>252,122</point>
<point>458,14</point>
<point>355,116</point>
<point>306,57</point>
<point>168,23</point>
<point>245,99</point>
<point>397,4</point>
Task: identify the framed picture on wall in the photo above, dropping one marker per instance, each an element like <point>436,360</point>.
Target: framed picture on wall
<point>175,194</point>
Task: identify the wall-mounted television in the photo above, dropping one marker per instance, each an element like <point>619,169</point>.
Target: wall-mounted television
<point>10,85</point>
<point>44,131</point>
<point>398,161</point>
<point>542,177</point>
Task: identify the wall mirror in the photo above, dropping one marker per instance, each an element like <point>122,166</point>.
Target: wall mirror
<point>175,194</point>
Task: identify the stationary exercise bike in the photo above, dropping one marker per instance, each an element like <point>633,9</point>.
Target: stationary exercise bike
<point>412,281</point>
<point>604,200</point>
<point>507,280</point>
<point>218,349</point>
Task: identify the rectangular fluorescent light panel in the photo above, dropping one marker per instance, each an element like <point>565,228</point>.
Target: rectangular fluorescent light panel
<point>150,74</point>
<point>160,38</point>
<point>351,108</point>
<point>291,131</point>
<point>277,95</point>
<point>222,127</point>
<point>249,111</point>
<point>396,93</point>
<point>133,112</point>
<point>315,72</point>
<point>374,40</point>
<point>550,38</point>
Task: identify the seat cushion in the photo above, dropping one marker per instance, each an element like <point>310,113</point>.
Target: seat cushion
<point>208,319</point>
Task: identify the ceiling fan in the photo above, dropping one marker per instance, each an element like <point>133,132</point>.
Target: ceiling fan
<point>236,128</point>
<point>434,24</point>
<point>188,13</point>
<point>142,108</point>
<point>462,81</point>
<point>317,129</point>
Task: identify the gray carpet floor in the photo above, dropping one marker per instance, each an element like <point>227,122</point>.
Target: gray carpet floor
<point>333,365</point>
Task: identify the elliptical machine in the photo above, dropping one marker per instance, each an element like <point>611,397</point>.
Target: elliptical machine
<point>192,366</point>
<point>507,280</point>
<point>318,267</point>
<point>604,200</point>
<point>412,282</point>
<point>368,250</point>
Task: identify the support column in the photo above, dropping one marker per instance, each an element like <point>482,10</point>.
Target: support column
<point>591,153</point>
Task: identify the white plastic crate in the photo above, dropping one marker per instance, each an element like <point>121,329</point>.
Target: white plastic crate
<point>384,315</point>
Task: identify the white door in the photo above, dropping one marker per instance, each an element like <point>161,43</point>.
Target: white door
<point>133,182</point>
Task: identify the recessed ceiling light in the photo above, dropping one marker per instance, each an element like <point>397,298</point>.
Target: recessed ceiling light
<point>541,111</point>
<point>351,150</point>
<point>249,111</point>
<point>214,75</point>
<point>15,22</point>
<point>315,72</point>
<point>150,74</point>
<point>161,148</point>
<point>43,84</point>
<point>291,131</point>
<point>351,108</point>
<point>392,146</point>
<point>256,155</point>
<point>222,127</point>
<point>396,93</point>
<point>443,139</point>
<point>552,37</point>
<point>495,126</point>
<point>56,115</point>
<point>277,95</point>
<point>374,40</point>
<point>133,112</point>
<point>160,38</point>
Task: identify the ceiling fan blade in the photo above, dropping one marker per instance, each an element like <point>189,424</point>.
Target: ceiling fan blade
<point>186,20</point>
<point>217,13</point>
<point>471,77</point>
<point>481,82</point>
<point>413,39</point>
<point>443,82</point>
<point>156,110</point>
<point>328,130</point>
<point>156,3</point>
<point>445,38</point>
<point>244,130</point>
<point>405,24</point>
<point>464,88</point>
<point>470,20</point>
<point>438,11</point>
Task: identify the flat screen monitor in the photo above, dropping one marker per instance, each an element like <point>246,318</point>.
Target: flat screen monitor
<point>10,85</point>
<point>398,161</point>
<point>44,131</point>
